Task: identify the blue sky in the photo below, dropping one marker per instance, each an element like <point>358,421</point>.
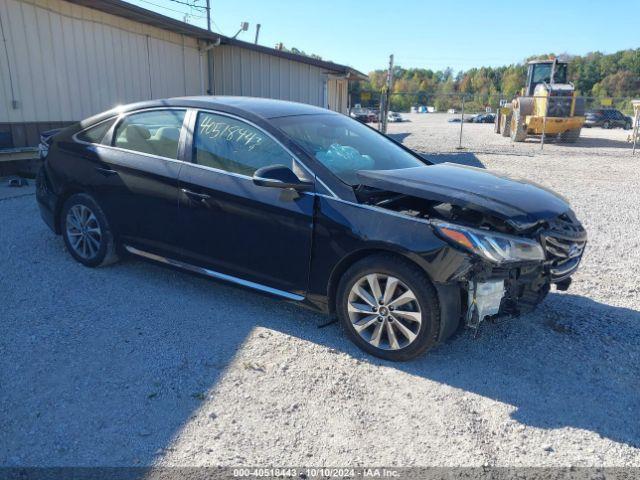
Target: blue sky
<point>430,34</point>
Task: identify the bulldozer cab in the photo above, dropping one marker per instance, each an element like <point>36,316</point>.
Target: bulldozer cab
<point>539,71</point>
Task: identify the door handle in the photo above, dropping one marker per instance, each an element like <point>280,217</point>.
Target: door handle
<point>107,172</point>
<point>194,195</point>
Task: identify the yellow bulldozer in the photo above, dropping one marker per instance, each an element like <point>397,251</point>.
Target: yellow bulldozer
<point>547,94</point>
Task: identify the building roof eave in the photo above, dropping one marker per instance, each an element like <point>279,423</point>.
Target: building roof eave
<point>135,13</point>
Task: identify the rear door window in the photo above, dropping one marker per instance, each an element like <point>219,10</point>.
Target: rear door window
<point>155,132</point>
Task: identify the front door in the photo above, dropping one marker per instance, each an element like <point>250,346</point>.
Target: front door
<point>234,227</point>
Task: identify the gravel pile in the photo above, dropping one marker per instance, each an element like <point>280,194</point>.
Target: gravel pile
<point>137,364</point>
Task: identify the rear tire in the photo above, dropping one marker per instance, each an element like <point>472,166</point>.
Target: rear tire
<point>570,136</point>
<point>518,127</point>
<point>606,124</point>
<point>505,123</point>
<point>496,122</point>
<point>86,231</point>
<point>375,322</point>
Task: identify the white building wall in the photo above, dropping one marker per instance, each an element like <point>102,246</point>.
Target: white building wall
<point>338,94</point>
<point>238,71</point>
<point>65,62</point>
<point>61,62</point>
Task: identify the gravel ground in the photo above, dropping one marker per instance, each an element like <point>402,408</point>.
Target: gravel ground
<point>137,364</point>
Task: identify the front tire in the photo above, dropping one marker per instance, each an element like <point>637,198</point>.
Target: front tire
<point>86,231</point>
<point>389,308</point>
<point>570,136</point>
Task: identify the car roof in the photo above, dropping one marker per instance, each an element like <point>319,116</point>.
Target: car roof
<point>261,107</point>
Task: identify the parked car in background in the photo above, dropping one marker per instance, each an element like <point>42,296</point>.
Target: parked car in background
<point>364,115</point>
<point>310,206</point>
<point>394,117</point>
<point>467,119</point>
<point>484,118</point>
<point>360,115</point>
<point>607,118</point>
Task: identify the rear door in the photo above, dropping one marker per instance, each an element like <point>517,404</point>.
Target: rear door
<point>138,174</point>
<point>234,227</point>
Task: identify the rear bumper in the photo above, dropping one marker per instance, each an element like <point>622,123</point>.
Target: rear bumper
<point>47,200</point>
<point>554,125</point>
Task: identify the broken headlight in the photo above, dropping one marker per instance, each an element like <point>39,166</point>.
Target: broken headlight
<point>492,246</point>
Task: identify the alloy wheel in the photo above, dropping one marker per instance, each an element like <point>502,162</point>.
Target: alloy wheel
<point>384,311</point>
<point>83,231</point>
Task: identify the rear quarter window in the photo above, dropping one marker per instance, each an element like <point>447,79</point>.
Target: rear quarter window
<point>95,134</point>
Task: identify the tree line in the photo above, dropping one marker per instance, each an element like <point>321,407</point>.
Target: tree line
<point>615,75</point>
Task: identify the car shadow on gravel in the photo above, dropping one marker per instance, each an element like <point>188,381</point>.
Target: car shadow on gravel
<point>582,142</point>
<point>572,363</point>
<point>398,137</point>
<point>594,142</point>
<point>106,366</point>
<point>463,158</point>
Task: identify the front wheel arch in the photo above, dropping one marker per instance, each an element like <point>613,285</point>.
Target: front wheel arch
<point>449,295</point>
<point>425,296</point>
<point>346,263</point>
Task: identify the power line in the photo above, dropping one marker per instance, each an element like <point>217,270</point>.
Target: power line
<point>217,27</point>
<point>192,5</point>
<point>171,9</point>
<point>203,17</point>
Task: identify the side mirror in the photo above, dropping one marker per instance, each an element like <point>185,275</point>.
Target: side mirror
<point>280,176</point>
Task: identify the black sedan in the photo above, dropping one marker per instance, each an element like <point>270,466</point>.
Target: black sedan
<point>607,118</point>
<point>484,118</point>
<point>310,206</point>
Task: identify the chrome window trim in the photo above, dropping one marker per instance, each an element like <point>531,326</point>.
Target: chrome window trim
<point>75,135</point>
<point>214,274</point>
<point>278,142</point>
<point>377,209</point>
<point>219,170</point>
<point>118,119</point>
<point>121,116</point>
<point>151,155</point>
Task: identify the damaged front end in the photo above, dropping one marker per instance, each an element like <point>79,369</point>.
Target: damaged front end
<point>515,254</point>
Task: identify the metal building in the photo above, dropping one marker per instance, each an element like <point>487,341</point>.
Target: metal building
<point>64,60</point>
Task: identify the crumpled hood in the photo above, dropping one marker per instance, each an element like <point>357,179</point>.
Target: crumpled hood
<point>521,203</point>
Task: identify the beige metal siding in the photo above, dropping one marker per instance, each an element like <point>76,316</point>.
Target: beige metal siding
<point>337,89</point>
<point>238,71</point>
<point>68,62</point>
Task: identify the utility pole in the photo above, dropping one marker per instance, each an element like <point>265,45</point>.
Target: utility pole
<point>209,54</point>
<point>208,7</point>
<point>257,32</point>
<point>386,97</point>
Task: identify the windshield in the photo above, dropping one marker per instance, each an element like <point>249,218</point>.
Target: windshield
<point>542,73</point>
<point>344,145</point>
